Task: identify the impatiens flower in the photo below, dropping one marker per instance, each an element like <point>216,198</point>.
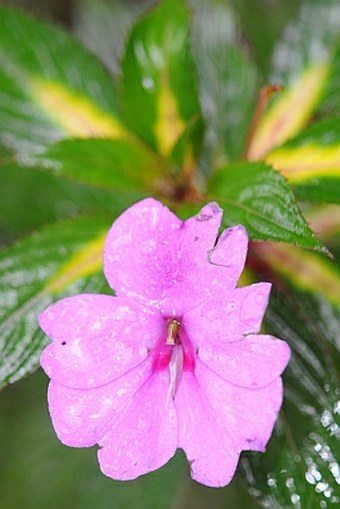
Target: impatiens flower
<point>174,360</point>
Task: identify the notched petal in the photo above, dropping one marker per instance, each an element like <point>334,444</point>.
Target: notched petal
<point>210,211</point>
<point>152,256</point>
<point>231,249</point>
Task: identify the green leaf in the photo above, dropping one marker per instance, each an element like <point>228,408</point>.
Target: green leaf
<point>121,165</point>
<point>309,38</point>
<point>329,102</point>
<point>33,197</point>
<point>307,65</point>
<point>311,161</point>
<point>300,468</point>
<point>289,111</point>
<point>319,190</point>
<point>51,87</point>
<point>187,148</point>
<point>227,80</point>
<point>158,83</point>
<point>261,26</point>
<point>255,195</point>
<point>62,259</point>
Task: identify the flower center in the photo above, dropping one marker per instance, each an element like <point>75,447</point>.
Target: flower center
<point>173,353</point>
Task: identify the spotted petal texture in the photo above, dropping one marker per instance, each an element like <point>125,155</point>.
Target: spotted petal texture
<point>81,418</point>
<point>179,346</point>
<point>147,425</point>
<point>96,338</point>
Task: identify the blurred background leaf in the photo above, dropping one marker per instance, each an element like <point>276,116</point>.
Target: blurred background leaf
<point>306,62</point>
<point>33,197</point>
<point>227,78</point>
<point>310,36</point>
<point>158,81</point>
<point>51,87</point>
<point>263,23</point>
<point>311,161</point>
<point>121,165</point>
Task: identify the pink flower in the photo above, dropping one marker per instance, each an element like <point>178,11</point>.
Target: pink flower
<point>174,361</point>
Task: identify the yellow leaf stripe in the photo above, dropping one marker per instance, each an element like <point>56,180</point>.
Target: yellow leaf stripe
<point>86,262</point>
<point>76,114</point>
<point>310,160</point>
<point>305,270</point>
<point>290,112</point>
<point>169,125</point>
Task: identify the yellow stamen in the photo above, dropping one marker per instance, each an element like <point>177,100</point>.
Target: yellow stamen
<point>173,328</point>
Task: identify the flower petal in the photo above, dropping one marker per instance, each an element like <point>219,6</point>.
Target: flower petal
<point>153,256</point>
<point>253,361</point>
<point>228,315</point>
<point>144,436</point>
<point>231,251</point>
<point>212,451</point>
<point>217,420</point>
<point>139,251</point>
<point>96,338</point>
<point>248,415</point>
<point>81,417</point>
